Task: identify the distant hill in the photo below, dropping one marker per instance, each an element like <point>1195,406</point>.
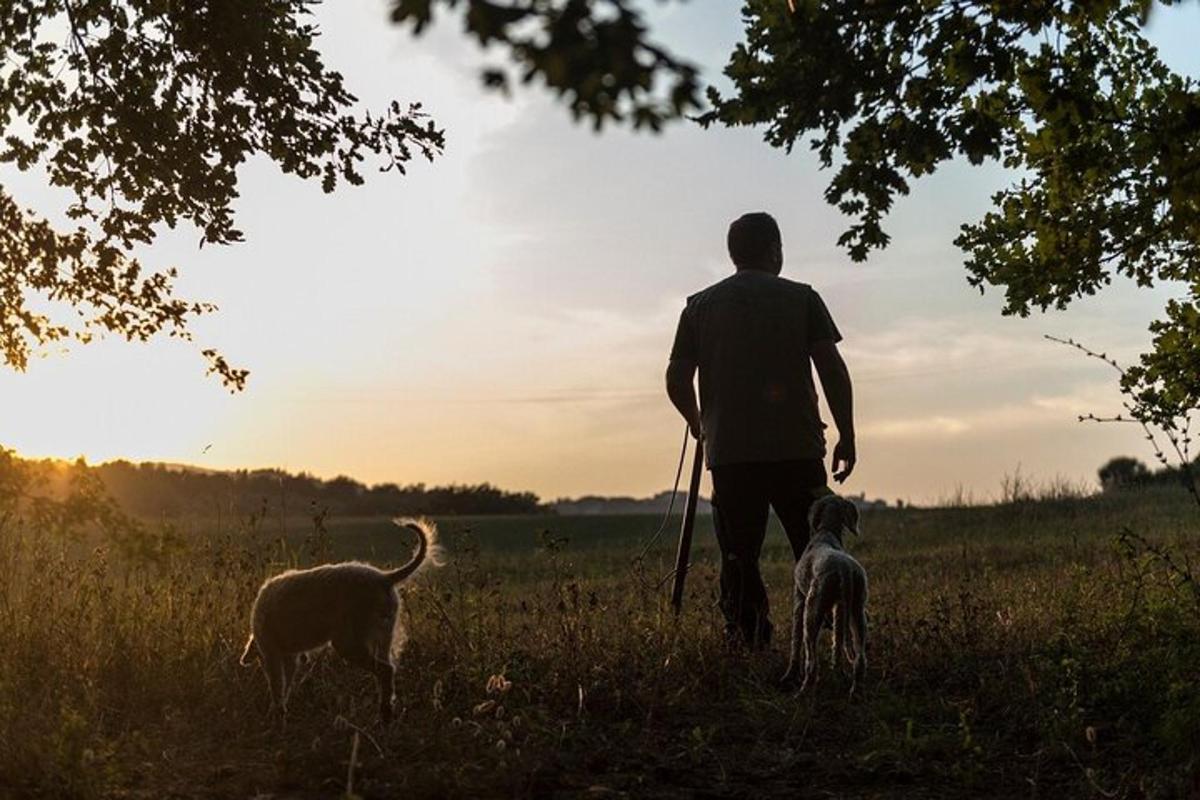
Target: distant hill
<point>658,504</point>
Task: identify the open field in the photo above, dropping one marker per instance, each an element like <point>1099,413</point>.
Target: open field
<point>1017,651</point>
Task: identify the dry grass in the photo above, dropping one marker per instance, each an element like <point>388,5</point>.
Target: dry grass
<point>1017,651</point>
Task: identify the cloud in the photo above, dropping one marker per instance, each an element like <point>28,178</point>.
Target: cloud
<point>920,346</point>
<point>1035,411</point>
<point>913,428</point>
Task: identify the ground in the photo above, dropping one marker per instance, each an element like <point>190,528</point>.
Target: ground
<point>1020,650</point>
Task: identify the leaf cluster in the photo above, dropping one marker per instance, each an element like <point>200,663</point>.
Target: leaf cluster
<point>596,55</point>
<point>144,110</point>
<point>1103,137</point>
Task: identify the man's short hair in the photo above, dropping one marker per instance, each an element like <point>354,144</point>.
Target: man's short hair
<point>752,239</point>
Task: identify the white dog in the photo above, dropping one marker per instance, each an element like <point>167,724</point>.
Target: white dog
<point>828,582</point>
<point>351,605</point>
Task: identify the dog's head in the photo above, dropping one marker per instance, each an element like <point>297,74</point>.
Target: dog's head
<point>833,514</point>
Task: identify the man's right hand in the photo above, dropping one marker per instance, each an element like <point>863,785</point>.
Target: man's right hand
<point>844,456</point>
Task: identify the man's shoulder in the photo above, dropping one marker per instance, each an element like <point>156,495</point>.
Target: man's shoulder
<point>795,287</point>
<point>711,290</point>
<point>740,283</point>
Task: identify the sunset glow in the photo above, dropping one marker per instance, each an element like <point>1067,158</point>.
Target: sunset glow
<point>504,314</point>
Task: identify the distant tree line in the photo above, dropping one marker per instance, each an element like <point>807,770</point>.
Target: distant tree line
<point>157,489</point>
<point>591,504</point>
<point>1126,472</point>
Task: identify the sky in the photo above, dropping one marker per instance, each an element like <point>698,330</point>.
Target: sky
<point>504,314</point>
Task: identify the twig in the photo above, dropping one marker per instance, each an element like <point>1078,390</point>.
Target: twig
<point>1170,429</point>
<point>1088,773</point>
<point>342,722</point>
<point>450,624</point>
<point>1182,574</point>
<point>350,768</point>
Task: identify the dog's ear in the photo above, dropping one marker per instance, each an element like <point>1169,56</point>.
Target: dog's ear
<point>820,507</point>
<point>851,519</point>
<point>814,512</point>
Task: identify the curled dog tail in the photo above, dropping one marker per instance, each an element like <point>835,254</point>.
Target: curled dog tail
<point>250,654</point>
<point>427,550</point>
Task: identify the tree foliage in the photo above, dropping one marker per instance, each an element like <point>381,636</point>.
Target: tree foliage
<point>151,490</point>
<point>1103,137</point>
<point>144,110</point>
<point>594,54</point>
<point>77,493</point>
<point>1122,472</point>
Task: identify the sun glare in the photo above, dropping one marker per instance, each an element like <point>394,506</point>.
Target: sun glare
<point>108,401</point>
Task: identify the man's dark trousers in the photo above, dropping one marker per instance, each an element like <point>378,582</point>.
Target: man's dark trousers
<point>743,495</point>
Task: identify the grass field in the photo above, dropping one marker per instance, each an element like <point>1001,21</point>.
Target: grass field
<point>1017,651</point>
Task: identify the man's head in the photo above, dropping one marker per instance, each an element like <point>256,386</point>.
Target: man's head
<point>755,243</point>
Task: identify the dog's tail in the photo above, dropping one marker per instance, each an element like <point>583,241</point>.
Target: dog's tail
<point>428,550</point>
<point>250,654</point>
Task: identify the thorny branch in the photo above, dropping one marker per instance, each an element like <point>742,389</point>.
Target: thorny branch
<point>1178,435</point>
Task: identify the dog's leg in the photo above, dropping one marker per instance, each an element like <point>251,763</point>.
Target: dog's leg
<point>816,607</point>
<point>858,627</point>
<point>841,639</point>
<point>789,678</point>
<point>358,652</point>
<point>273,666</point>
<point>848,644</point>
<point>290,662</point>
<point>848,607</point>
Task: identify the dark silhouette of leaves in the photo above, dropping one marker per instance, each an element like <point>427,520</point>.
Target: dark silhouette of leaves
<point>145,111</point>
<point>1105,139</point>
<point>594,54</point>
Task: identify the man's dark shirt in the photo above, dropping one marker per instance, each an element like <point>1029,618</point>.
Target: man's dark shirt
<point>751,336</point>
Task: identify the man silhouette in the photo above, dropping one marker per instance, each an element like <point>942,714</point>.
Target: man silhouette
<point>754,337</point>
